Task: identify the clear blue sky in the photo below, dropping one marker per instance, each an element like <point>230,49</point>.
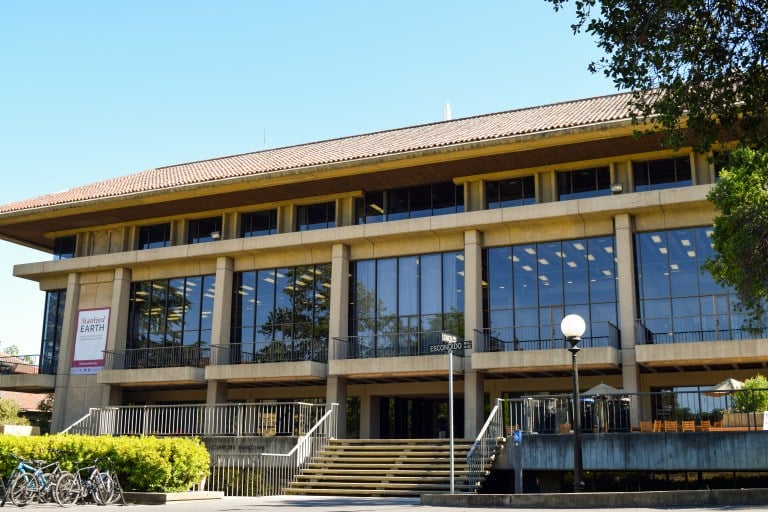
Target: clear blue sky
<point>91,90</point>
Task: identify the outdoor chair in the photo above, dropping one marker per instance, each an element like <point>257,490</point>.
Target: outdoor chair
<point>565,428</point>
<point>670,425</point>
<point>689,426</point>
<point>646,426</point>
<point>705,425</point>
<point>657,425</point>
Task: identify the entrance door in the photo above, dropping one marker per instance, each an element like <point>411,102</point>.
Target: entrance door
<point>418,418</point>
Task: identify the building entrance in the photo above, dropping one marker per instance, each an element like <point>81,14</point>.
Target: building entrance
<point>419,418</point>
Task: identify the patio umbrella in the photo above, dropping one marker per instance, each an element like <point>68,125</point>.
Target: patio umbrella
<point>603,389</point>
<point>724,387</point>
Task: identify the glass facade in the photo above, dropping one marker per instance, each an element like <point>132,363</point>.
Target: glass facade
<point>55,301</point>
<point>398,304</point>
<point>64,247</point>
<point>258,223</point>
<point>677,300</point>
<point>663,173</point>
<point>157,235</point>
<point>281,314</point>
<point>531,287</point>
<point>584,183</point>
<point>410,202</point>
<point>316,216</point>
<point>171,312</point>
<point>203,230</point>
<point>512,192</point>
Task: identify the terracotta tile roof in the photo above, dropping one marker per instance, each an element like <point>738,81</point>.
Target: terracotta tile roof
<point>26,401</point>
<point>487,127</point>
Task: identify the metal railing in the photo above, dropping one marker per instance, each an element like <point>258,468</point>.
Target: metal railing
<point>157,357</point>
<point>682,329</point>
<point>256,419</point>
<point>616,412</point>
<point>264,474</point>
<point>400,344</point>
<point>543,337</point>
<point>271,352</point>
<point>479,459</point>
<point>28,364</point>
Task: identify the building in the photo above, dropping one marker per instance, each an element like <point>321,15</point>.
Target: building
<point>327,271</point>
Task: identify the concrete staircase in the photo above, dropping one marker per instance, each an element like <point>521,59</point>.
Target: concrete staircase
<point>384,467</point>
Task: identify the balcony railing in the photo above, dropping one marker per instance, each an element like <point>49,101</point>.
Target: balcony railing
<point>686,329</point>
<point>675,411</point>
<point>400,344</point>
<point>28,364</point>
<point>543,337</point>
<point>273,419</point>
<point>270,352</point>
<point>157,357</point>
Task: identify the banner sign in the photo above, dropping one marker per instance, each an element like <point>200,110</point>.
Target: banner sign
<point>90,341</point>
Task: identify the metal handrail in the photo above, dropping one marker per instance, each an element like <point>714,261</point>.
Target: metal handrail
<point>531,337</point>
<point>396,344</point>
<point>195,356</point>
<point>270,352</point>
<point>479,458</point>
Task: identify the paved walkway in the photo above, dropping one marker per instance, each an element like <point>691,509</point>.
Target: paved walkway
<point>323,504</point>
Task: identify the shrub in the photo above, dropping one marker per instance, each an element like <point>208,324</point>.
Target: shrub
<point>753,395</point>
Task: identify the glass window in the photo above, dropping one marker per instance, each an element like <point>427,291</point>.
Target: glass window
<point>288,305</point>
<point>510,192</point>
<point>64,247</point>
<point>531,286</point>
<point>171,312</point>
<point>678,300</point>
<point>584,183</point>
<point>157,235</point>
<point>410,293</point>
<point>204,230</point>
<point>55,300</point>
<point>316,216</point>
<point>410,202</point>
<point>661,174</point>
<point>258,223</point>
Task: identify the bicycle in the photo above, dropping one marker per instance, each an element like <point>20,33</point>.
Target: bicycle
<point>33,480</point>
<point>100,485</point>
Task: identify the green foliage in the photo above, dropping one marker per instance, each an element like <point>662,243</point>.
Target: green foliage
<point>741,231</point>
<point>142,463</point>
<point>699,63</point>
<point>753,395</point>
<point>9,413</point>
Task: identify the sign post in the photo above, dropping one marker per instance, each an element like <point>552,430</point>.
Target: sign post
<point>449,344</point>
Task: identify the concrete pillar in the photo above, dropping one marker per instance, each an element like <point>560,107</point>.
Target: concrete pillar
<point>336,388</point>
<point>118,327</point>
<point>220,331</point>
<point>370,417</point>
<point>625,257</point>
<point>474,410</point>
<point>66,351</point>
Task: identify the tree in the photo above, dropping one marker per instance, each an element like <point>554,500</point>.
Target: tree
<point>700,64</point>
<point>740,234</point>
<point>753,395</point>
<point>9,413</point>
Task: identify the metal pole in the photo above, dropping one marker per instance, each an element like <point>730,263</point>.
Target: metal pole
<point>578,482</point>
<point>450,411</point>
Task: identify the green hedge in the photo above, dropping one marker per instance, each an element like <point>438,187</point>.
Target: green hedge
<point>153,464</point>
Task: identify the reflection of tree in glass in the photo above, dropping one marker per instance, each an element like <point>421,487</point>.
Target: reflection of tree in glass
<point>299,329</point>
<point>157,313</point>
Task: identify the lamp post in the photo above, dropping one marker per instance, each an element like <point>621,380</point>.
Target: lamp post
<point>573,327</point>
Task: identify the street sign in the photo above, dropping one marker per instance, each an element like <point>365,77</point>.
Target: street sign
<point>450,344</point>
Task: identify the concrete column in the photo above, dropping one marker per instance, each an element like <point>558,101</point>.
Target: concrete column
<point>474,402</point>
<point>118,327</point>
<point>66,351</point>
<point>336,388</point>
<point>222,317</point>
<point>370,415</point>
<point>625,256</point>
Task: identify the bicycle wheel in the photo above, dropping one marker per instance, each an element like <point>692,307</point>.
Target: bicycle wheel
<point>21,490</point>
<point>67,490</point>
<point>117,491</point>
<point>102,488</point>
